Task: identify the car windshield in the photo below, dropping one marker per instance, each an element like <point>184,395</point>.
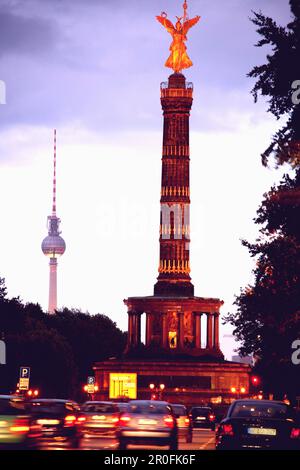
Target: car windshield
<point>148,408</point>
<point>99,408</point>
<point>179,410</point>
<point>11,406</point>
<point>122,406</point>
<point>201,411</point>
<point>50,407</point>
<point>260,410</point>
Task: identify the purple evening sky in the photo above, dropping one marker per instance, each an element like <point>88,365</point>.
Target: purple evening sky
<point>92,68</point>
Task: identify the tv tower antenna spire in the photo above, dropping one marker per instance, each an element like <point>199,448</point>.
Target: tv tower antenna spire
<point>54,178</point>
<point>53,245</point>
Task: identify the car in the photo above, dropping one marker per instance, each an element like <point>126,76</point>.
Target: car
<point>17,429</point>
<point>203,416</point>
<point>58,419</point>
<point>258,424</point>
<point>148,422</point>
<point>99,418</point>
<point>184,423</point>
<point>122,406</point>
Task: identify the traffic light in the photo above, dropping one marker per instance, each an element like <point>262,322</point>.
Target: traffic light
<point>255,380</point>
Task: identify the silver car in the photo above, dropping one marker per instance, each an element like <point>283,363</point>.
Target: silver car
<point>148,422</point>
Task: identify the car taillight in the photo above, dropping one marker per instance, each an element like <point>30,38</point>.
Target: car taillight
<point>211,417</point>
<point>115,420</point>
<point>70,420</point>
<point>187,421</point>
<point>226,430</point>
<point>295,433</point>
<point>169,421</point>
<point>81,419</point>
<point>124,420</point>
<point>20,425</point>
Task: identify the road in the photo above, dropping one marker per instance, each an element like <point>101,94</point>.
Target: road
<point>203,439</point>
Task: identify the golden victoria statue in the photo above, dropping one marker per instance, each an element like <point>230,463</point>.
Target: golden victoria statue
<point>178,58</point>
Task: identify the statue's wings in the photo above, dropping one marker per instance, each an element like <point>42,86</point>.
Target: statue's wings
<point>166,23</point>
<point>189,24</point>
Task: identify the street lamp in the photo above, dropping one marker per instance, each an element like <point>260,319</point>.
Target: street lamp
<point>238,391</point>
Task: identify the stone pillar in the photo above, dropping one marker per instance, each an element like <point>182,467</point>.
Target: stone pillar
<point>130,330</point>
<point>209,333</point>
<point>181,329</point>
<point>197,332</point>
<point>216,331</point>
<point>148,329</point>
<point>164,335</point>
<point>133,326</point>
<point>137,333</point>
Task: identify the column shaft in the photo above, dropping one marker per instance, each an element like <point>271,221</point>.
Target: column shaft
<point>216,331</point>
<point>164,331</point>
<point>209,340</point>
<point>129,335</point>
<point>181,329</point>
<point>148,329</point>
<point>198,330</point>
<point>137,338</point>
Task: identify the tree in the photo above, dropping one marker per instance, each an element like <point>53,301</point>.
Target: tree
<point>276,79</point>
<point>267,320</point>
<point>60,348</point>
<point>3,290</point>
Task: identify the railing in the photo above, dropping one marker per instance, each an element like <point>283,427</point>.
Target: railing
<point>166,92</point>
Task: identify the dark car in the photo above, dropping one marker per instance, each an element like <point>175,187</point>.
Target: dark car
<point>99,418</point>
<point>17,429</point>
<point>58,420</point>
<point>258,424</point>
<point>203,417</point>
<point>148,422</point>
<point>184,423</point>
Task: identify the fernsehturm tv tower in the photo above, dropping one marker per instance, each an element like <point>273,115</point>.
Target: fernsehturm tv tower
<point>53,245</point>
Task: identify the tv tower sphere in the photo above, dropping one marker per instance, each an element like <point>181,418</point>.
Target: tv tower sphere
<point>53,245</point>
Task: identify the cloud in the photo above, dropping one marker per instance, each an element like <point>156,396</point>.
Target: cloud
<point>26,35</point>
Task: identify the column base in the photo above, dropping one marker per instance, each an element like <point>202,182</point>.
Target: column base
<point>176,289</point>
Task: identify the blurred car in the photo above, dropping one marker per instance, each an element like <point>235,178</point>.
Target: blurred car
<point>99,417</point>
<point>58,420</point>
<point>16,427</point>
<point>122,406</point>
<point>258,424</point>
<point>203,417</point>
<point>148,422</point>
<point>184,423</point>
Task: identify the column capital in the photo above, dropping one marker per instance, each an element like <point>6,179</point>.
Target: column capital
<point>134,312</point>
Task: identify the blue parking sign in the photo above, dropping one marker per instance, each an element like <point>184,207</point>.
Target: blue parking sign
<point>24,372</point>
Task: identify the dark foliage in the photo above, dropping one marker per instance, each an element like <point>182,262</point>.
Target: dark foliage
<point>60,348</point>
<point>275,79</point>
<point>268,311</point>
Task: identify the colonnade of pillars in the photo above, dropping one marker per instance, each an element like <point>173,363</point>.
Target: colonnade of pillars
<point>212,329</point>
